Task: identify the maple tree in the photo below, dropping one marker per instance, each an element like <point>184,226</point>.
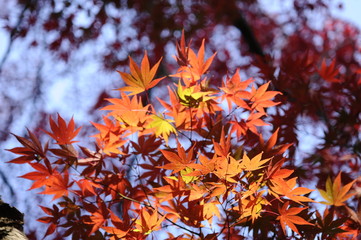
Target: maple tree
<point>193,164</point>
<point>312,66</point>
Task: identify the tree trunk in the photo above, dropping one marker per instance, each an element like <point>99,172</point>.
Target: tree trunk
<point>11,223</point>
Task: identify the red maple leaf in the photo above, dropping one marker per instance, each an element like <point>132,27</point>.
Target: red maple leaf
<point>330,72</point>
<point>63,133</point>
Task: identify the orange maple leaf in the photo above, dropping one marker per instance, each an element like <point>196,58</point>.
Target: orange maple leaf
<point>128,111</point>
<point>205,167</point>
<point>140,78</point>
<point>57,184</point>
<point>261,98</point>
<point>63,133</point>
<point>287,189</point>
<point>40,176</point>
<point>251,206</point>
<point>253,164</point>
<point>197,66</point>
<point>111,136</point>
<point>335,194</point>
<point>120,228</point>
<point>223,147</point>
<point>179,160</point>
<point>235,91</point>
<point>176,110</point>
<point>87,187</point>
<point>253,121</point>
<point>175,187</point>
<point>148,222</point>
<point>288,217</point>
<point>227,167</point>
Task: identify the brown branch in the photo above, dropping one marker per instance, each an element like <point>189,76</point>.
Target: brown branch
<point>248,35</point>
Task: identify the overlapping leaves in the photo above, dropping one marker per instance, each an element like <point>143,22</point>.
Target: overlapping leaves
<point>181,161</point>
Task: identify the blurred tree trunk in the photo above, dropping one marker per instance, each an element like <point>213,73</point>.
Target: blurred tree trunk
<point>11,223</point>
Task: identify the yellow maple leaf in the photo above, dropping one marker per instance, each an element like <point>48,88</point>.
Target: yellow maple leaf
<point>335,194</point>
<point>161,126</point>
<point>192,96</point>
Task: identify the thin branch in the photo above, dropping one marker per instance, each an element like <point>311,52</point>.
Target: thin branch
<point>6,182</point>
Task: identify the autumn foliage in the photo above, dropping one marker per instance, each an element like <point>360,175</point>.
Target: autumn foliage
<point>191,164</point>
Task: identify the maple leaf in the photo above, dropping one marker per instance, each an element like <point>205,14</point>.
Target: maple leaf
<point>261,98</point>
<point>328,224</point>
<point>191,214</point>
<point>210,210</point>
<point>287,188</point>
<point>335,193</point>
<point>235,91</point>
<point>128,111</point>
<point>53,219</point>
<point>176,110</point>
<point>40,176</point>
<point>175,187</point>
<point>141,77</point>
<point>197,192</point>
<point>179,160</point>
<point>57,184</point>
<point>110,138</point>
<point>227,167</point>
<point>330,72</point>
<point>223,147</point>
<point>205,167</point>
<point>148,222</point>
<point>275,172</point>
<point>99,215</point>
<point>54,182</point>
<point>198,63</point>
<point>184,174</point>
<point>271,141</point>
<point>32,149</point>
<point>251,206</point>
<point>197,66</point>
<point>196,97</point>
<point>224,167</point>
<point>253,121</point>
<point>288,217</point>
<point>192,96</point>
<point>91,158</point>
<point>119,230</point>
<point>253,164</point>
<point>63,133</point>
<point>87,187</point>
<point>183,51</point>
<point>146,144</point>
<point>161,126</point>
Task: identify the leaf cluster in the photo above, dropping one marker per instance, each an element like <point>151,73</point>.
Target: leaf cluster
<point>184,163</point>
